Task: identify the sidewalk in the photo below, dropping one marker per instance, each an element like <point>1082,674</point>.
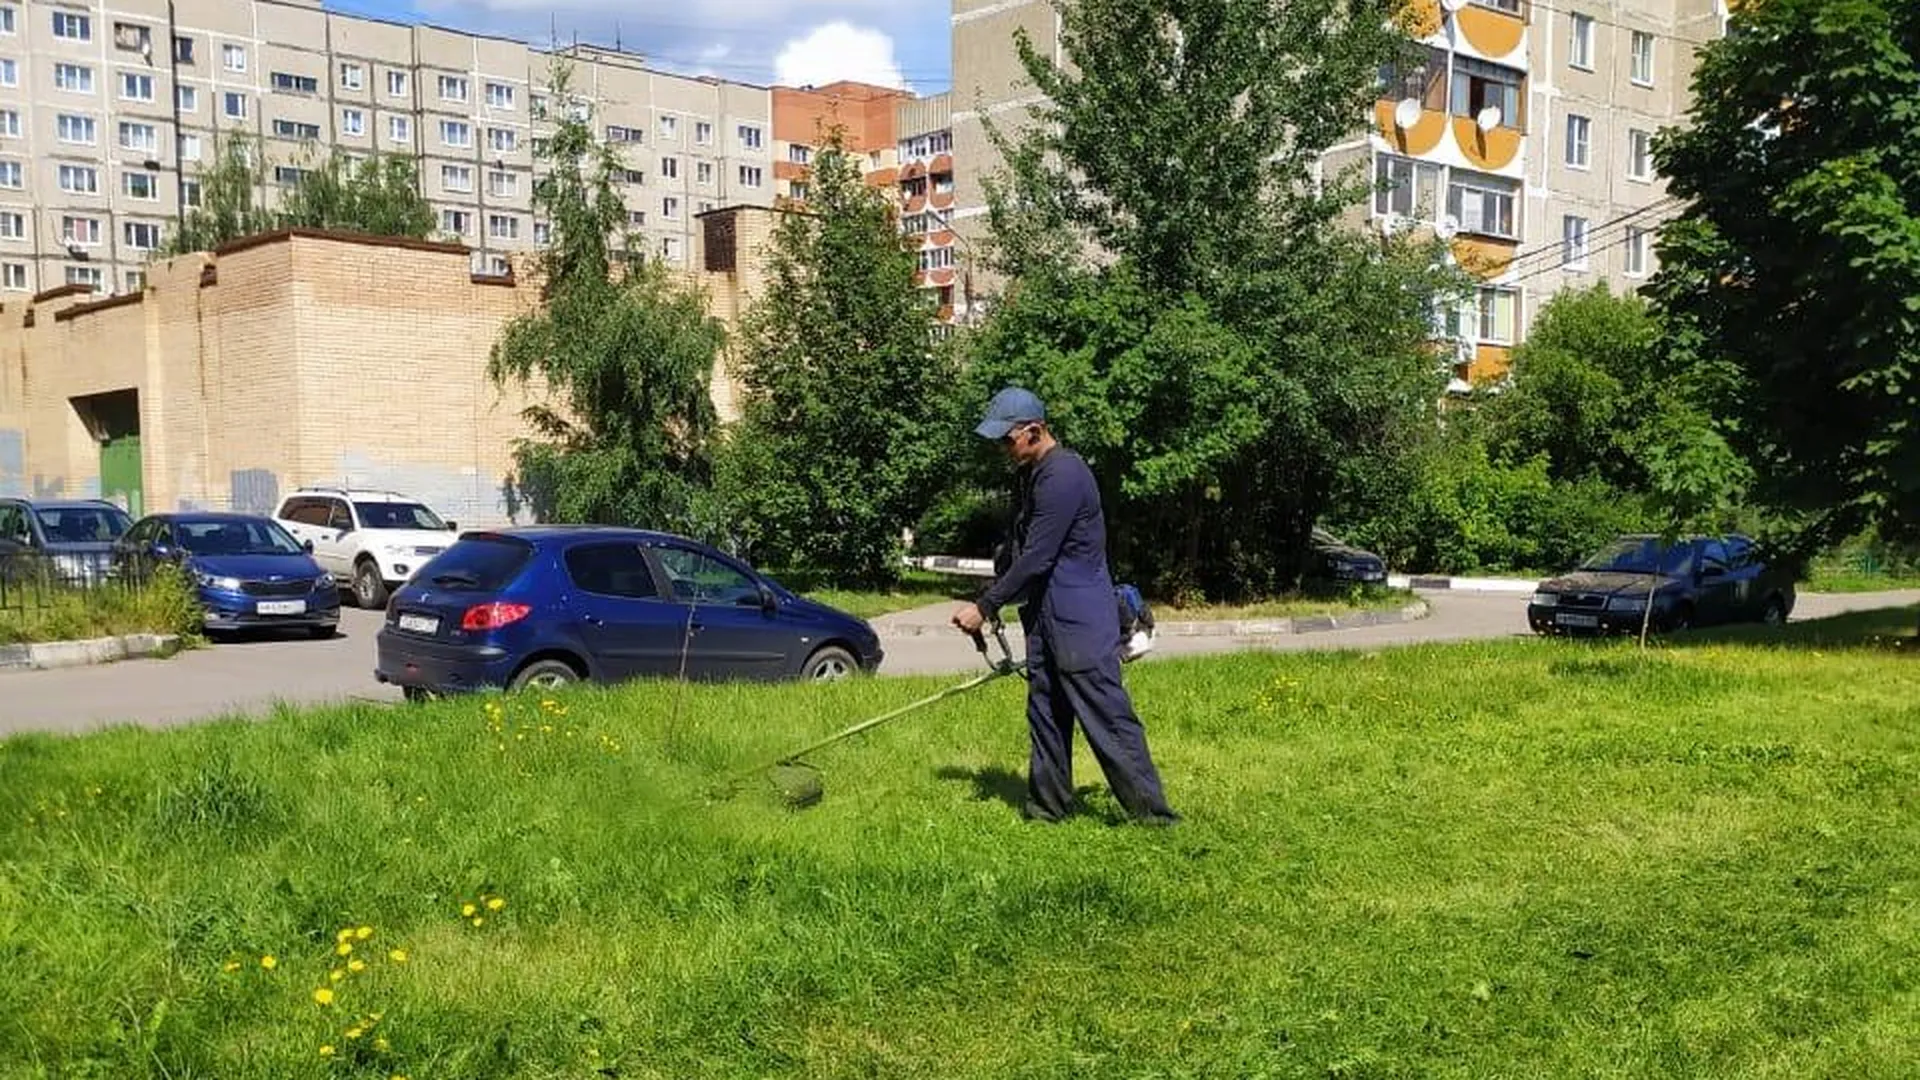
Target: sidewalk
<point>948,564</point>
<point>932,619</point>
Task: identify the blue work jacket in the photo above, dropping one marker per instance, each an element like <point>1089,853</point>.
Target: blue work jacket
<point>1059,573</point>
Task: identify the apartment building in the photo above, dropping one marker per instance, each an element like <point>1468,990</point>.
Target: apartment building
<point>1523,137</point>
<point>802,116</point>
<point>109,108</point>
<point>927,198</point>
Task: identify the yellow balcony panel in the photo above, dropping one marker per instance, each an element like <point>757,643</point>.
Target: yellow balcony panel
<point>1494,34</point>
<point>1421,138</point>
<point>1484,257</point>
<point>1489,151</point>
<point>1489,362</point>
<point>1419,18</point>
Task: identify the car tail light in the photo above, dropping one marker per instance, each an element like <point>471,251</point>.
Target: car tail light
<point>493,616</point>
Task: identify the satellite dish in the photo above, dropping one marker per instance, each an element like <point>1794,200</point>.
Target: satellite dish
<point>1453,5</point>
<point>1488,118</point>
<point>1447,227</point>
<point>1407,113</point>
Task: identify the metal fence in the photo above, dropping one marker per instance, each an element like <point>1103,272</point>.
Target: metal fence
<point>37,579</point>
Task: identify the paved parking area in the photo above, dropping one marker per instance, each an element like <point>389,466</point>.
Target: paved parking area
<point>249,678</point>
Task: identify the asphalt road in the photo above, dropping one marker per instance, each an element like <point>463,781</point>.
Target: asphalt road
<point>249,678</point>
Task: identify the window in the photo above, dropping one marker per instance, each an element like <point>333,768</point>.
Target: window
<point>797,189</point>
<point>632,176</point>
<point>9,123</point>
<point>11,176</point>
<point>637,219</point>
<point>537,106</point>
<point>749,136</point>
<point>83,231</point>
<point>503,226</point>
<point>132,37</point>
<point>78,130</point>
<point>288,175</point>
<point>13,277</point>
<point>234,105</point>
<point>183,49</point>
<point>189,147</point>
<point>290,129</point>
<point>136,280</point>
<point>13,225</point>
<point>400,130</point>
<point>539,147</point>
<point>1642,51</point>
<point>670,168</point>
<point>456,133</point>
<point>936,258</point>
<point>9,72</point>
<point>670,208</point>
<point>1579,142</point>
<point>353,77</point>
<point>669,127</point>
<point>396,84</point>
<point>1638,248</point>
<point>453,88</point>
<point>72,27</point>
<point>135,87</point>
<point>703,579</point>
<point>141,235</point>
<point>190,192</point>
<point>74,78</point>
<point>187,98</point>
<point>542,232</point>
<point>618,134</point>
<point>457,178</point>
<point>286,83</point>
<point>233,57</point>
<point>453,221</point>
<point>140,185</point>
<point>503,185</point>
<point>1511,7</point>
<point>1639,154</point>
<point>703,133</point>
<point>353,122</point>
<point>670,248</point>
<point>612,570</point>
<point>1478,85</point>
<point>1580,45</point>
<point>8,26</point>
<point>89,276</point>
<point>703,172</point>
<point>503,140</point>
<point>142,137</point>
<point>750,176</point>
<point>1495,315</point>
<point>800,155</point>
<point>1483,204</point>
<point>1573,242</point>
<point>1405,187</point>
<point>499,96</point>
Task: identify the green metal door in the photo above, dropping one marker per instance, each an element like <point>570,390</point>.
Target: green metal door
<point>120,471</point>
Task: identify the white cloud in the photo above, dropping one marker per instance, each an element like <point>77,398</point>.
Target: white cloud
<point>839,50</point>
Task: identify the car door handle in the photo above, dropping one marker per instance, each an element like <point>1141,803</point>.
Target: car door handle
<point>594,620</point>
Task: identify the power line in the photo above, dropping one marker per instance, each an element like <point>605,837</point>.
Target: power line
<point>1591,252</point>
<point>1547,250</point>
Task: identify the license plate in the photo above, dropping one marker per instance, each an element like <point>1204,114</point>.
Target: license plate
<point>420,624</point>
<point>1584,622</point>
<point>283,607</point>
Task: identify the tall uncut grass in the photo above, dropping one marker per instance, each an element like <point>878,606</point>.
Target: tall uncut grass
<point>1522,859</point>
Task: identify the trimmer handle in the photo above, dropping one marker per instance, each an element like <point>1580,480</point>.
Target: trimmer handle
<point>1004,665</point>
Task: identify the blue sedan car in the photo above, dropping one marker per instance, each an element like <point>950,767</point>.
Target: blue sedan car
<point>251,574</point>
<point>550,605</point>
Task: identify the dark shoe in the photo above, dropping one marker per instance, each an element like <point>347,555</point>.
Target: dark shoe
<point>1159,821</point>
<point>1033,812</point>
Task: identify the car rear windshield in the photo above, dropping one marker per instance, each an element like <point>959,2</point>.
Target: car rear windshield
<point>398,515</point>
<point>478,564</point>
<point>81,524</point>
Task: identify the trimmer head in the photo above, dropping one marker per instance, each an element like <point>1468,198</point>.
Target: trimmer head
<point>799,784</point>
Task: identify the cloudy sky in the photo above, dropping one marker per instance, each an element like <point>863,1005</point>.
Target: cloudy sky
<point>793,42</point>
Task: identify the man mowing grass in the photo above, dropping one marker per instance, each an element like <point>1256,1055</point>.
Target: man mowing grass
<point>1058,575</point>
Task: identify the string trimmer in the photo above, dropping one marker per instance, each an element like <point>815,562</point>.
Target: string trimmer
<point>800,784</point>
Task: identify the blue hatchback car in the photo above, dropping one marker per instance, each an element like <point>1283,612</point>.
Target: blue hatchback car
<point>548,605</point>
<point>251,573</point>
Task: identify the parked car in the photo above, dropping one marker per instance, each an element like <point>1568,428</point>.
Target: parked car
<point>75,535</point>
<point>549,605</point>
<point>1697,581</point>
<point>1336,560</point>
<point>250,573</point>
<point>372,541</point>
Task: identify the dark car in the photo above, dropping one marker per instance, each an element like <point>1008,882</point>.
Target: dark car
<point>549,605</point>
<point>1698,581</point>
<point>250,572</point>
<point>74,536</point>
<point>1336,560</point>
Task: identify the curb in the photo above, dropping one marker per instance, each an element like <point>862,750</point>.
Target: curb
<point>1237,628</point>
<point>66,654</point>
<point>1462,584</point>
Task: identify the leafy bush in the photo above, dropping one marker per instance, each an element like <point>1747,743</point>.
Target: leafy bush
<point>44,610</point>
<point>967,521</point>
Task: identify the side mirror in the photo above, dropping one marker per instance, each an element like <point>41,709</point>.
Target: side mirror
<point>308,545</point>
<point>453,526</point>
<point>1709,573</point>
<point>768,601</point>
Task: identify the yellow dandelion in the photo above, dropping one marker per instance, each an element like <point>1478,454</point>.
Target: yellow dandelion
<point>363,933</point>
<point>398,956</point>
<point>478,921</point>
<point>323,996</point>
<point>467,910</point>
<point>382,1045</point>
<point>356,966</point>
<point>345,933</point>
<point>355,1032</point>
<point>326,1051</point>
<point>345,948</point>
<point>336,975</point>
<point>397,1076</point>
<point>231,965</point>
<point>269,963</point>
<point>496,904</point>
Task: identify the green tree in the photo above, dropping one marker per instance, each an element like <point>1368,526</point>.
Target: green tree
<point>1232,358</point>
<point>625,351</point>
<point>845,435</point>
<point>230,202</point>
<point>378,194</point>
<point>1791,280</point>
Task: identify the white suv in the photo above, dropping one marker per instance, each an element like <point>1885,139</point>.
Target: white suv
<point>372,541</point>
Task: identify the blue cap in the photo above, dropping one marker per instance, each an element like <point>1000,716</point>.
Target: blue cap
<point>1009,409</point>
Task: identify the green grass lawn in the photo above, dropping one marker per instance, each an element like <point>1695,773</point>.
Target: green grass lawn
<point>921,588</point>
<point>917,588</point>
<point>1515,859</point>
<point>1842,580</point>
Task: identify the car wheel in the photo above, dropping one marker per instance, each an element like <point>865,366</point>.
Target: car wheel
<point>1682,618</point>
<point>417,694</point>
<point>368,590</point>
<point>545,675</point>
<point>1775,613</point>
<point>830,664</point>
